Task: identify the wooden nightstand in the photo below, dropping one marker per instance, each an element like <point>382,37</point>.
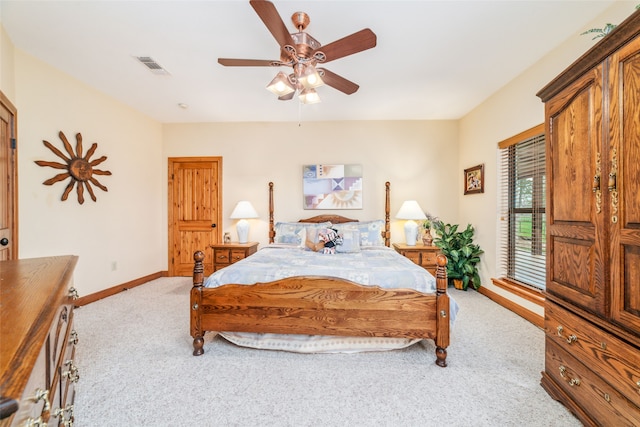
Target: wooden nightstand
<point>424,256</point>
<point>225,254</point>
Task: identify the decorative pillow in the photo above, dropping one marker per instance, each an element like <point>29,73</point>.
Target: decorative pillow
<point>294,233</point>
<point>350,242</point>
<point>370,231</point>
<point>330,240</point>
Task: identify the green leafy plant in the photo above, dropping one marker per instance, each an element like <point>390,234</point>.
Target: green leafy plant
<point>601,32</point>
<point>462,254</point>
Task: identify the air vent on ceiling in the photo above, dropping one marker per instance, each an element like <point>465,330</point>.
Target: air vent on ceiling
<point>152,65</point>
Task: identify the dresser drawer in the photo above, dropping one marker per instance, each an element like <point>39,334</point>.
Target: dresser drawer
<point>31,406</point>
<point>56,340</point>
<point>597,398</point>
<point>428,259</point>
<point>617,362</point>
<point>237,255</point>
<point>413,256</point>
<point>222,256</point>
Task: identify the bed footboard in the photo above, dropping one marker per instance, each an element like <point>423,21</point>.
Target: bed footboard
<point>319,305</point>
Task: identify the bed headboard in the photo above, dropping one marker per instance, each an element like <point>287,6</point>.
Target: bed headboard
<point>336,219</point>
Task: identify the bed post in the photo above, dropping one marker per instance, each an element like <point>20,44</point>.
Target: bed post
<point>272,232</point>
<point>196,302</point>
<point>387,208</point>
<point>442,312</point>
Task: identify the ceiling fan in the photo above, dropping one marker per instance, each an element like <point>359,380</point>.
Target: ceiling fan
<point>303,53</point>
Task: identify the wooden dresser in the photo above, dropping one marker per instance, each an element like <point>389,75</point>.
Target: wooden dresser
<point>592,308</point>
<point>37,341</point>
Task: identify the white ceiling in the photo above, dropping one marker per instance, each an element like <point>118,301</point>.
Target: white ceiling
<point>433,59</point>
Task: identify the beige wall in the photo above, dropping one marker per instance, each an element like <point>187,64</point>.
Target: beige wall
<point>417,157</point>
<point>7,84</point>
<point>125,225</point>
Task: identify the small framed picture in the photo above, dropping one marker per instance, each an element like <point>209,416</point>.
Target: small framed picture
<point>474,180</point>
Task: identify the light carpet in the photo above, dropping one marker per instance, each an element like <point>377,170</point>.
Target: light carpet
<point>136,369</point>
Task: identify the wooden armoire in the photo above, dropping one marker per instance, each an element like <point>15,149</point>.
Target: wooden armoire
<point>592,308</point>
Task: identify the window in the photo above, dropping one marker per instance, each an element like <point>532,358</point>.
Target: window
<point>522,222</point>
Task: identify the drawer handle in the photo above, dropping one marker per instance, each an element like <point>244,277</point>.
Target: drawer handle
<point>73,337</point>
<point>572,381</point>
<point>41,394</point>
<point>35,422</point>
<point>222,257</point>
<point>60,413</point>
<point>571,339</point>
<point>72,373</point>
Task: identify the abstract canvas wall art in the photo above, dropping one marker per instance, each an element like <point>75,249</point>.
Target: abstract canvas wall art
<point>332,186</point>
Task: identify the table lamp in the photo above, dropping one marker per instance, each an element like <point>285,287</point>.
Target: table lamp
<point>242,211</point>
<point>411,211</point>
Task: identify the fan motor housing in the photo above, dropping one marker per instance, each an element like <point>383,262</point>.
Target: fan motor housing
<point>305,44</point>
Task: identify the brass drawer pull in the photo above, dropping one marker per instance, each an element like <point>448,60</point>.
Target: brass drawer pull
<point>41,394</point>
<point>37,422</point>
<point>63,420</point>
<point>73,337</point>
<point>72,374</point>
<point>571,339</point>
<point>572,381</point>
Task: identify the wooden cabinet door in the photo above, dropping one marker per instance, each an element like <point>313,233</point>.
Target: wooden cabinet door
<point>194,211</point>
<point>576,242</point>
<point>8,182</point>
<point>624,197</point>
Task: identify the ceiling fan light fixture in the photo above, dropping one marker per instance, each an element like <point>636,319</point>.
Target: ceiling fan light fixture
<point>309,96</point>
<point>310,78</point>
<point>280,85</point>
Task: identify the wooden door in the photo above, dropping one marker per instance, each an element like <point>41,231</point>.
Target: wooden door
<point>8,181</point>
<point>576,241</point>
<point>194,211</point>
<point>624,196</point>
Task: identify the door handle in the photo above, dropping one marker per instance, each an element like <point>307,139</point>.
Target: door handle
<point>4,241</point>
<point>213,226</point>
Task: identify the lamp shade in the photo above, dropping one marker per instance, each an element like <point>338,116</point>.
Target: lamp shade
<point>281,85</point>
<point>309,96</point>
<point>410,210</point>
<point>310,78</point>
<point>242,211</point>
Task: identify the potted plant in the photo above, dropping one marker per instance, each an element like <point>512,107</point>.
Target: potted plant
<point>462,254</point>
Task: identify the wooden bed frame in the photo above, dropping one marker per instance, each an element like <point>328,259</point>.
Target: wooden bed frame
<point>320,305</point>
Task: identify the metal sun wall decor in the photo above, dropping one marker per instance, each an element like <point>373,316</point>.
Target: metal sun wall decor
<point>332,186</point>
<point>80,169</point>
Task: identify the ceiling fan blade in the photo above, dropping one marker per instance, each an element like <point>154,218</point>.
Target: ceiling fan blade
<point>356,42</point>
<point>232,62</point>
<point>337,82</point>
<point>271,18</point>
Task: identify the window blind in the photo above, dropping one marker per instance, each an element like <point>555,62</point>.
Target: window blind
<point>522,220</point>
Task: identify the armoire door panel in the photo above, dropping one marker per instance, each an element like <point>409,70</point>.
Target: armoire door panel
<point>573,162</point>
<point>573,274</point>
<point>577,181</point>
<point>624,110</point>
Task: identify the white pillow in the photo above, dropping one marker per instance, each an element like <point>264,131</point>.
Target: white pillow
<point>294,233</point>
<point>350,241</point>
<point>370,231</point>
